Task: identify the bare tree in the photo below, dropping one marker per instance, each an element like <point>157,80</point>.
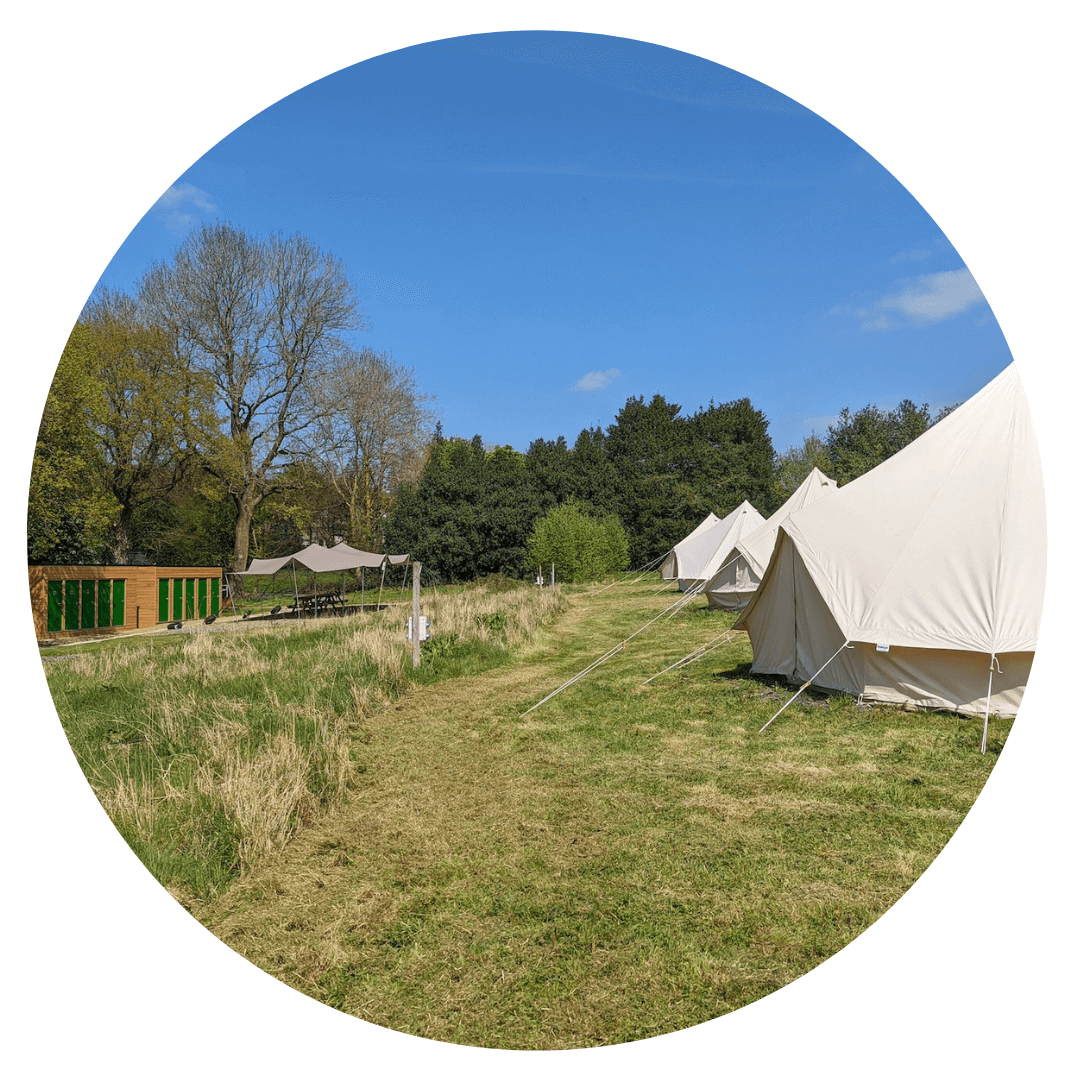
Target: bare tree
<point>370,431</point>
<point>260,317</point>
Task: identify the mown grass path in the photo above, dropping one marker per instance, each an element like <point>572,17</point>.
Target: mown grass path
<point>624,861</point>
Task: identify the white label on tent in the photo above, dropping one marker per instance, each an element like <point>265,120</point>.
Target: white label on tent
<point>881,648</point>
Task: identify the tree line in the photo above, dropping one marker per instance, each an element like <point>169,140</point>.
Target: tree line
<point>220,412</point>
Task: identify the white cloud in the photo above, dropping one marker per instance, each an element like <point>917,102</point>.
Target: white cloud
<point>927,299</point>
<point>933,297</point>
<point>911,255</point>
<point>596,380</point>
<point>180,205</point>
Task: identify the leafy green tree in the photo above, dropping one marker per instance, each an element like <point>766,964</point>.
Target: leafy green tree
<point>593,478</point>
<point>150,408</point>
<point>673,470</point>
<point>582,546</point>
<point>70,516</point>
<point>730,458</point>
<point>193,524</point>
<point>648,456</point>
<point>547,463</point>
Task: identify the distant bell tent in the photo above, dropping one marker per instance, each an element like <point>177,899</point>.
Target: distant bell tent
<point>731,587</point>
<point>669,568</point>
<point>707,550</point>
<point>931,567</point>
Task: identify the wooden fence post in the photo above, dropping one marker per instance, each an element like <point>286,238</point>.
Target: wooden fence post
<point>416,615</point>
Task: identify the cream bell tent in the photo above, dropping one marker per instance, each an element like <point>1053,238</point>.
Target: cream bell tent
<point>733,584</point>
<point>930,569</point>
<point>700,556</point>
<point>669,568</point>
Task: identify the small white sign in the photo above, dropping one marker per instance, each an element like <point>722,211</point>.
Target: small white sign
<point>881,648</point>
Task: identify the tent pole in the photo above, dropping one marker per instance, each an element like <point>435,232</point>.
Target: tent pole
<point>296,592</point>
<point>986,716</point>
<point>378,603</point>
<point>847,644</point>
<point>362,601</point>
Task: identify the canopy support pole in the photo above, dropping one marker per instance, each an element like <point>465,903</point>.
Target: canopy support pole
<point>378,603</point>
<point>846,645</point>
<point>362,600</point>
<point>296,592</point>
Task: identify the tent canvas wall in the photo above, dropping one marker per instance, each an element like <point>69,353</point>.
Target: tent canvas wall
<point>931,566</point>
<point>701,555</point>
<point>669,568</point>
<point>731,587</point>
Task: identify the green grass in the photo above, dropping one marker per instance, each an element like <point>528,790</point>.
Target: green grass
<point>623,861</point>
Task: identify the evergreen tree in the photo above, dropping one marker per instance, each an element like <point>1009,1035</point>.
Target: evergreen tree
<point>470,513</point>
<point>860,441</point>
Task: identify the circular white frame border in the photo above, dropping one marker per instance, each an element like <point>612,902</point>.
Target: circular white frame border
<point>495,23</point>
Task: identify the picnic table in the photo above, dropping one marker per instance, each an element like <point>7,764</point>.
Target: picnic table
<point>332,598</point>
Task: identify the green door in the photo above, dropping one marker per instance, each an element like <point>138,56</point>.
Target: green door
<point>189,599</point>
<point>163,600</point>
<point>202,598</point>
<point>104,603</point>
<point>56,606</point>
<point>215,593</point>
<point>118,591</point>
<point>88,594</point>
<point>178,598</point>
<point>71,605</point>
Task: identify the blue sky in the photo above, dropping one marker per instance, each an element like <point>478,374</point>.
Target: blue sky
<point>544,224</point>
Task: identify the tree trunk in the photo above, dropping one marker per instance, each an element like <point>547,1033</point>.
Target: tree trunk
<point>245,511</point>
<point>121,542</point>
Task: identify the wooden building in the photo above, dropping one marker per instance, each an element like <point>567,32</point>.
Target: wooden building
<point>96,600</point>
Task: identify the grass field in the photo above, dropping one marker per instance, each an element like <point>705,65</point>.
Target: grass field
<point>624,861</point>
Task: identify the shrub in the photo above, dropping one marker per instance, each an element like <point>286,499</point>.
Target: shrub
<point>583,546</point>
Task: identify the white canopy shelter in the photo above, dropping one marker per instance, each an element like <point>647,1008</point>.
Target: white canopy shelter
<point>323,560</point>
<point>931,568</point>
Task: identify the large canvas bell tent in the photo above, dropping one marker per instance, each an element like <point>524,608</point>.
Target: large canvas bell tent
<point>930,569</point>
<point>731,587</point>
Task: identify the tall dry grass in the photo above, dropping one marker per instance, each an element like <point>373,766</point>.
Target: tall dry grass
<point>210,752</point>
